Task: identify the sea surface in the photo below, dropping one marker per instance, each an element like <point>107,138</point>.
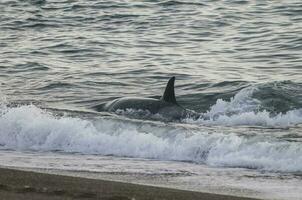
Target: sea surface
<point>238,63</point>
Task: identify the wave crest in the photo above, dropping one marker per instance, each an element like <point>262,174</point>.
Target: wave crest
<point>244,109</point>
<point>30,128</point>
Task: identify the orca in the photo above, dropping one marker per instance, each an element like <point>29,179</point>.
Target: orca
<point>166,106</point>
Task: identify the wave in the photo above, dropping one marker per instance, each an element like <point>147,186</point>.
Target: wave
<point>246,109</point>
<point>31,128</point>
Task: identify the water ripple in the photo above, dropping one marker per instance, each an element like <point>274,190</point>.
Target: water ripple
<point>88,48</point>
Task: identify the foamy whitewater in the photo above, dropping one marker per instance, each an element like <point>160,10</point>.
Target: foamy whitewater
<point>31,128</point>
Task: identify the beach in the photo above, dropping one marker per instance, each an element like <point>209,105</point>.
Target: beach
<point>17,184</point>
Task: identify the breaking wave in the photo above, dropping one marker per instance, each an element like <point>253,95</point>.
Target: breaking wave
<point>31,128</point>
<point>245,109</point>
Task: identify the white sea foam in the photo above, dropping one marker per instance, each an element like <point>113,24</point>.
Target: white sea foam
<point>30,128</point>
<point>242,109</point>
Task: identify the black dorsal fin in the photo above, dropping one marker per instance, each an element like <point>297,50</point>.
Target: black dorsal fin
<point>169,94</point>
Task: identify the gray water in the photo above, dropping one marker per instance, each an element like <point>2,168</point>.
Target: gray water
<point>236,62</point>
<point>86,52</point>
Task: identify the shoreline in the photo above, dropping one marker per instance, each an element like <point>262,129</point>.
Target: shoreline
<point>17,184</point>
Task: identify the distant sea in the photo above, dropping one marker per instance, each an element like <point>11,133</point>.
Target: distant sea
<point>237,62</point>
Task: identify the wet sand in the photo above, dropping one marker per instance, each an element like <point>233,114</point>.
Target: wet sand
<point>17,184</point>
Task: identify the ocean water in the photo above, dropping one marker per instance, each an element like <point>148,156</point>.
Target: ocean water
<point>238,63</point>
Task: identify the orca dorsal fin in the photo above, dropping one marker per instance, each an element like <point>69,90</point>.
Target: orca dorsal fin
<point>169,94</point>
